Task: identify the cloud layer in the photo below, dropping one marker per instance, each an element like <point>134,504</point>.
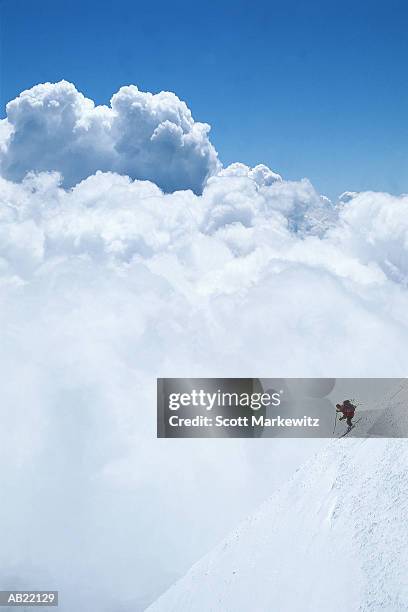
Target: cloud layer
<point>106,285</point>
<point>53,127</point>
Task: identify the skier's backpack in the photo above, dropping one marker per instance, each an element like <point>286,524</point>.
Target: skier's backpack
<point>350,407</point>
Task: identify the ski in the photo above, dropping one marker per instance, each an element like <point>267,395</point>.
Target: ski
<point>352,427</point>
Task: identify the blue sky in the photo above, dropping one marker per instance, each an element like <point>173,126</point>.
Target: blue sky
<point>316,89</point>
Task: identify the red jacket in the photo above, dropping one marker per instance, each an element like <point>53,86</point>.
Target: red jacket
<point>347,409</point>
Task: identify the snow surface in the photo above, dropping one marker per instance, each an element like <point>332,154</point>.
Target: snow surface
<point>334,539</point>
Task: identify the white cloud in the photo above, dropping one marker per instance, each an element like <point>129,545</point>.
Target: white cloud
<point>55,128</point>
<point>109,284</point>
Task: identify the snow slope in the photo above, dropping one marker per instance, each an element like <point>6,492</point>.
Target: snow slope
<point>334,539</point>
<point>387,419</point>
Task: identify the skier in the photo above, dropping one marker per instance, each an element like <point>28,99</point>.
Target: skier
<point>348,410</point>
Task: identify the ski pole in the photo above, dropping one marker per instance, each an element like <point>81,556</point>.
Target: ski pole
<point>335,422</point>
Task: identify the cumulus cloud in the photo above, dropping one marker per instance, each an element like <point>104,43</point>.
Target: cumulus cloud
<point>114,281</point>
<point>53,127</point>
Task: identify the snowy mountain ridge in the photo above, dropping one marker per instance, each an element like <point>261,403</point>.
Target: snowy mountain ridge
<point>333,539</point>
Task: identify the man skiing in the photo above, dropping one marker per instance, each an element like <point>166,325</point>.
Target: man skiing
<point>348,411</point>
